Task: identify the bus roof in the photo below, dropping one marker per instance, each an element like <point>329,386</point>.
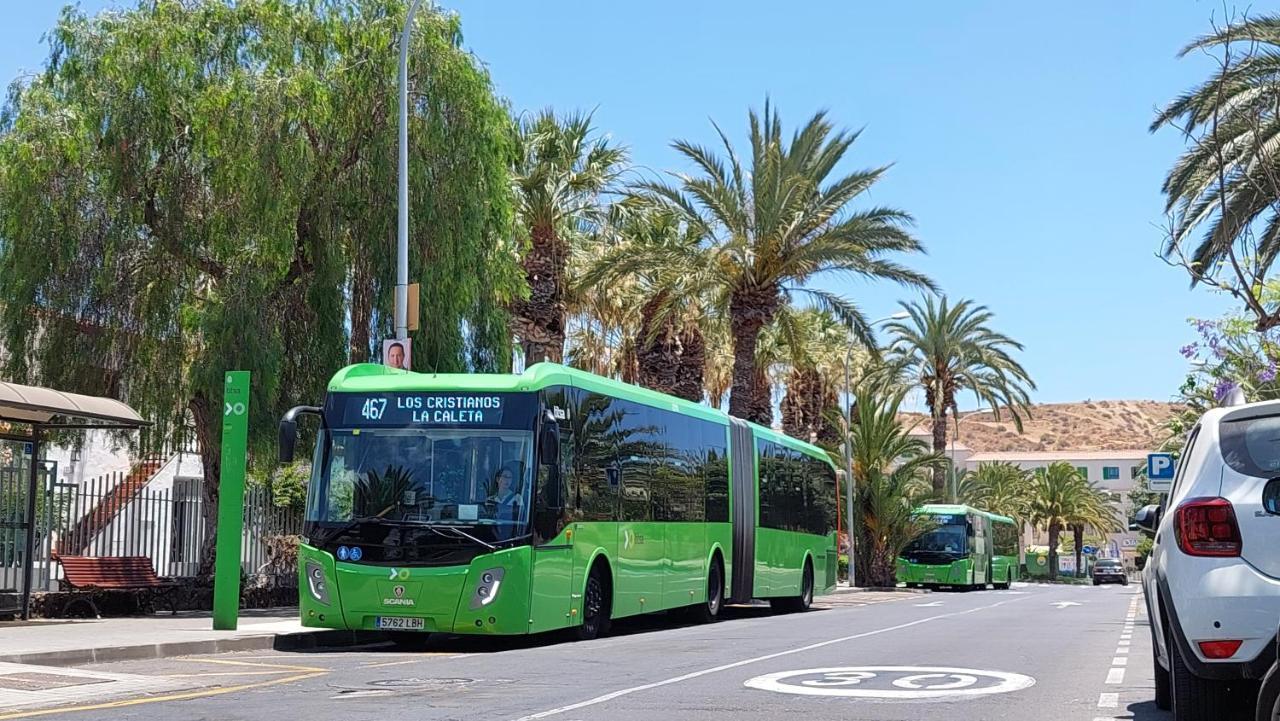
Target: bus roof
<point>377,378</point>
<point>956,509</point>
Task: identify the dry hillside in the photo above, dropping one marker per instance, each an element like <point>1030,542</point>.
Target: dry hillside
<point>1091,425</point>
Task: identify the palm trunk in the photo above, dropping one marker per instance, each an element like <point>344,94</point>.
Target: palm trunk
<point>693,363</point>
<point>750,310</point>
<point>803,407</point>
<point>940,446</point>
<point>669,360</point>
<point>1054,531</point>
<point>539,320</point>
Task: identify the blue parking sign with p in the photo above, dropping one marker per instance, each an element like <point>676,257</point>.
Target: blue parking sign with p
<point>1160,467</point>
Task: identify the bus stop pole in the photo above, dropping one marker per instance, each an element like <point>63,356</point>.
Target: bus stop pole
<point>29,556</point>
<point>226,560</point>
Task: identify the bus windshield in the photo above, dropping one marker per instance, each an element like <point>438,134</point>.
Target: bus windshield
<point>948,539</point>
<point>425,459</point>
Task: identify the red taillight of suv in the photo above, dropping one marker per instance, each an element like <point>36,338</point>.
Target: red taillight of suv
<point>1219,649</point>
<point>1207,527</point>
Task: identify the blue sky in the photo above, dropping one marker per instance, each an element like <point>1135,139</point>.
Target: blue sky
<point>1017,133</point>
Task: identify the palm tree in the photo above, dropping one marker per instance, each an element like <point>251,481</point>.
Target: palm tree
<point>888,469</point>
<point>947,349</point>
<point>1055,494</point>
<point>669,342</point>
<point>1001,487</point>
<point>1093,510</point>
<point>561,170</point>
<point>773,226</point>
<point>1230,176</point>
<point>815,343</point>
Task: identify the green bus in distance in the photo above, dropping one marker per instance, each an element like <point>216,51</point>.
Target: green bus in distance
<point>553,499</point>
<point>967,548</point>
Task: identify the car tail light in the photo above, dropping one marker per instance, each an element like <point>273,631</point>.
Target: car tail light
<point>1219,649</point>
<point>1207,527</point>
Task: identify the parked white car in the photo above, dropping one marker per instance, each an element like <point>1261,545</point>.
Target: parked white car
<point>1212,582</point>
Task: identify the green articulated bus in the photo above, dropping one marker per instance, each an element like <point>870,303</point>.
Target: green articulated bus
<point>966,548</point>
<point>552,499</point>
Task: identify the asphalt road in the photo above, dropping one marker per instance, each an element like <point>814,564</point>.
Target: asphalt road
<point>1033,652</point>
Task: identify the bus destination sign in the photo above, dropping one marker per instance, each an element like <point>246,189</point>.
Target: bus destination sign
<point>507,410</point>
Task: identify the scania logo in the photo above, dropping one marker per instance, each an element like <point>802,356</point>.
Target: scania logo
<point>398,591</point>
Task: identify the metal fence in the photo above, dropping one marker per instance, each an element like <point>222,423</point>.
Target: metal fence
<point>107,517</point>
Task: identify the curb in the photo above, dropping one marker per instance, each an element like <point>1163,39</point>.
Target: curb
<point>878,589</point>
<point>277,642</point>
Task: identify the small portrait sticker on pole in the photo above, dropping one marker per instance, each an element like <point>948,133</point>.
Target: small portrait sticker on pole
<point>396,353</point>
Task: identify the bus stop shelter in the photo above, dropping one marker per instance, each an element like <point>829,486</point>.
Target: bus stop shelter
<point>27,415</point>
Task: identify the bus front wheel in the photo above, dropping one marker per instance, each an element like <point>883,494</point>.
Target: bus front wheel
<point>597,604</point>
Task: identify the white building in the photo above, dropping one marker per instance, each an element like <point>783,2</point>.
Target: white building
<point>1112,471</point>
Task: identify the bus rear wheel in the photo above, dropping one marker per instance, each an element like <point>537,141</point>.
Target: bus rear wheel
<point>709,610</point>
<point>795,604</point>
<point>596,607</point>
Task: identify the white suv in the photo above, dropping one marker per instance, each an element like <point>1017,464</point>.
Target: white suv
<point>1212,583</point>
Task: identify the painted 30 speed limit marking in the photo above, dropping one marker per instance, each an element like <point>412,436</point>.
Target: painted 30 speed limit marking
<point>906,683</point>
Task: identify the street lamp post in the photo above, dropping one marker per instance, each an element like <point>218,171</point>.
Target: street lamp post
<point>848,449</point>
<point>402,225</point>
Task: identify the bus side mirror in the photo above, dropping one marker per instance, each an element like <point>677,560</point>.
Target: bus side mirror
<point>1271,497</point>
<point>289,430</point>
<point>1147,519</point>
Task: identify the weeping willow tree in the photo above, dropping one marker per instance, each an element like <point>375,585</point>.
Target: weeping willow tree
<point>190,187</point>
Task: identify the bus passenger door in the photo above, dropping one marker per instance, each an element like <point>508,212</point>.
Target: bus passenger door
<point>551,592</point>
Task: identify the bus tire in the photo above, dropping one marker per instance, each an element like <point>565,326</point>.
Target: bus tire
<point>597,605</point>
<point>1006,583</point>
<point>796,604</point>
<point>708,611</point>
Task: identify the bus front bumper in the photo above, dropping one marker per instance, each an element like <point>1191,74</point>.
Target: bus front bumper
<point>943,574</point>
<point>488,596</point>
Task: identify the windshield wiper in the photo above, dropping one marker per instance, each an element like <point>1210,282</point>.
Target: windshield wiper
<point>334,533</point>
<point>460,534</point>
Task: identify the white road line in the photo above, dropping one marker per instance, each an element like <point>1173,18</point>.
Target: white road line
<point>1120,661</point>
<point>1108,700</point>
<point>1122,650</point>
<point>1115,676</point>
<point>715,669</point>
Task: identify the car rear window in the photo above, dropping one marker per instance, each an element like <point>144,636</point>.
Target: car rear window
<point>1107,563</point>
<point>1252,445</point>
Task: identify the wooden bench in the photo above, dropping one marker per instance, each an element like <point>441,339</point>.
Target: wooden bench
<point>92,576</point>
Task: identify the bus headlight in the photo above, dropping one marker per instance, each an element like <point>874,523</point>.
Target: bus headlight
<point>316,583</point>
<point>487,588</point>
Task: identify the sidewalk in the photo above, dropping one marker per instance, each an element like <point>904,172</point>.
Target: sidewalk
<point>67,642</point>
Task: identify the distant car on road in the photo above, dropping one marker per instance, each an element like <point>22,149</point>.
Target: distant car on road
<point>1109,570</point>
<point>1212,582</point>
